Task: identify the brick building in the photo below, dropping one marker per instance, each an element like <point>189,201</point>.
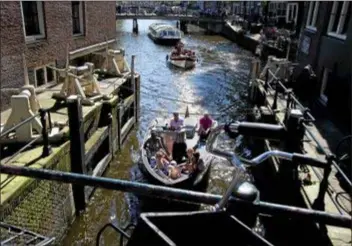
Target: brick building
<point>42,30</point>
<point>326,44</point>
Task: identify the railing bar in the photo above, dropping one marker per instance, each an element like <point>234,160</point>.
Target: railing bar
<point>3,134</point>
<point>21,149</point>
<point>174,194</point>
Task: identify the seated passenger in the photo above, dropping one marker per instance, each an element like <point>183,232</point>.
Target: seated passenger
<point>187,166</point>
<point>195,161</point>
<point>162,163</point>
<point>205,124</point>
<point>176,123</point>
<point>174,172</point>
<point>153,144</point>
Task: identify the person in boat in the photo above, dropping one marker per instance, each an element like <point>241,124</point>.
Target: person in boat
<point>177,122</point>
<point>187,166</point>
<point>205,124</point>
<point>197,163</point>
<point>179,147</point>
<point>168,168</point>
<point>153,144</point>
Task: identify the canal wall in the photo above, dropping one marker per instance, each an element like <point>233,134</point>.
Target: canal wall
<point>48,208</point>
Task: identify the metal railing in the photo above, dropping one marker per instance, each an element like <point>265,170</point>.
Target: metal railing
<point>293,102</point>
<point>44,114</point>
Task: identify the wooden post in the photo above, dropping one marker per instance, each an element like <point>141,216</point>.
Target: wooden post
<point>135,89</point>
<point>119,117</point>
<point>77,151</point>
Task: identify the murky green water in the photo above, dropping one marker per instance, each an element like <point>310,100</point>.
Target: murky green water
<point>218,84</point>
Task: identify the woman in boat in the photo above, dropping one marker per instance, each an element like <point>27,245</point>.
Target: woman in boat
<point>168,168</point>
<point>187,166</point>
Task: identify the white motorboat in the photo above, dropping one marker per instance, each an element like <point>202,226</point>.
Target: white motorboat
<point>165,34</point>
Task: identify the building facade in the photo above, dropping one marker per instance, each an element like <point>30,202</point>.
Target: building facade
<point>41,30</point>
<point>326,44</point>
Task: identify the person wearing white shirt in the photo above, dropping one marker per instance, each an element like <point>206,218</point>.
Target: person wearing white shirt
<point>176,123</point>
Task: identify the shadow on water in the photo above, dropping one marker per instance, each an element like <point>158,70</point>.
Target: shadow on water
<point>217,83</point>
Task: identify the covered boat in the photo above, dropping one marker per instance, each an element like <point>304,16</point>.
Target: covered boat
<point>165,34</point>
<point>175,142</point>
<point>181,57</point>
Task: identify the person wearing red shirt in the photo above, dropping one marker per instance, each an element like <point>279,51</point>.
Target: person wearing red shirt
<point>205,124</point>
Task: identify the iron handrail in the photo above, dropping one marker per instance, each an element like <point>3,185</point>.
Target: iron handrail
<point>310,134</point>
<point>3,134</point>
<point>175,194</point>
<point>292,95</point>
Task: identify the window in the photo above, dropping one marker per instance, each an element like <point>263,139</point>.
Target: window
<point>339,18</point>
<point>77,18</point>
<point>33,20</point>
<point>292,12</point>
<point>44,75</point>
<point>312,15</point>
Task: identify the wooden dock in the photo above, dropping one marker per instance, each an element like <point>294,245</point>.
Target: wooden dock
<point>337,200</point>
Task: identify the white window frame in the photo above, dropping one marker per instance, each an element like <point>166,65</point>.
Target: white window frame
<point>46,82</point>
<point>40,10</point>
<point>81,20</point>
<point>342,19</point>
<point>290,7</point>
<point>312,16</point>
<point>324,83</point>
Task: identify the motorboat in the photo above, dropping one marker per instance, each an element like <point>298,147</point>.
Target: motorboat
<point>188,136</point>
<point>181,57</point>
<point>164,34</point>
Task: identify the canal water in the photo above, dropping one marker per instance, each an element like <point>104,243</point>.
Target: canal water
<point>217,85</point>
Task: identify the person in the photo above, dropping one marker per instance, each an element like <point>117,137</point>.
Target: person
<point>162,163</point>
<point>174,172</point>
<point>205,124</point>
<point>176,123</point>
<point>153,144</point>
<point>187,166</point>
<point>179,147</point>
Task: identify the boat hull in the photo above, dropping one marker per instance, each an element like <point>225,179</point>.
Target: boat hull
<point>164,41</point>
<point>184,63</point>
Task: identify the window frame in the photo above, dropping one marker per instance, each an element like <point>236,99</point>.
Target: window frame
<point>41,22</point>
<point>46,82</point>
<point>81,18</point>
<point>311,23</point>
<point>341,20</point>
<point>290,9</point>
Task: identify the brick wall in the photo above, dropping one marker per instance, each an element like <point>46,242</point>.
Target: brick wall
<point>99,21</point>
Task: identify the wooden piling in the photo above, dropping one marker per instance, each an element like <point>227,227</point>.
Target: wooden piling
<point>77,149</point>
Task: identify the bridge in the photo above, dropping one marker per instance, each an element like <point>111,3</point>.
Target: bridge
<point>180,17</point>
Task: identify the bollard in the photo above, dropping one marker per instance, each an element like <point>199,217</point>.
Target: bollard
<point>77,148</point>
<point>46,146</point>
<point>319,202</point>
<point>266,80</point>
<point>276,95</point>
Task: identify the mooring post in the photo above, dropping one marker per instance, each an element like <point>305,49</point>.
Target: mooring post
<point>319,202</point>
<point>111,139</point>
<point>135,26</point>
<point>77,148</point>
<point>119,123</point>
<point>46,145</point>
<point>266,80</point>
<point>134,87</point>
<point>276,95</point>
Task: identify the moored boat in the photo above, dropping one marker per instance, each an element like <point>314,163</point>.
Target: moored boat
<point>164,34</point>
<point>183,58</point>
<point>176,143</point>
